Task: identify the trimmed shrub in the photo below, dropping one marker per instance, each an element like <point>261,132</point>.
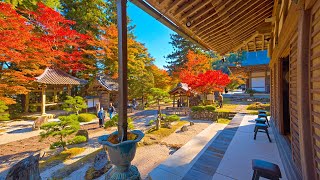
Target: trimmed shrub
<point>77,140</point>
<point>172,118</point>
<point>197,108</point>
<point>210,108</point>
<point>86,117</point>
<point>114,121</point>
<point>151,122</point>
<point>259,106</point>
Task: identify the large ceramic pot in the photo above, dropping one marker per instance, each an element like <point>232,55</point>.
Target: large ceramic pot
<point>121,155</point>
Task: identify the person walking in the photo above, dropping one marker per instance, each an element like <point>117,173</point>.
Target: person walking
<point>101,116</point>
<point>220,100</point>
<point>134,104</point>
<point>111,110</point>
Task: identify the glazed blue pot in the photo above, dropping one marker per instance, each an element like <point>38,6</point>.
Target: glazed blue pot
<point>121,155</point>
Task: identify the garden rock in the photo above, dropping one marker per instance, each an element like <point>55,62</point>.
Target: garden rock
<point>84,133</point>
<point>37,123</point>
<point>168,125</point>
<point>184,128</point>
<point>191,123</point>
<point>26,169</point>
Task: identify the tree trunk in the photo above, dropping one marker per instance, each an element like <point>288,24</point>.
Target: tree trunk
<point>142,101</point>
<point>159,111</point>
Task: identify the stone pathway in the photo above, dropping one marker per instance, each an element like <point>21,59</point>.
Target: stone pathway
<point>177,165</point>
<point>205,167</point>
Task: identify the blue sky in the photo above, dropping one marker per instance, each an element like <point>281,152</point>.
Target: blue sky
<point>152,33</point>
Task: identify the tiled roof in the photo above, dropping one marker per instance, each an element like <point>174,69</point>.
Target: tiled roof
<point>107,82</point>
<point>180,85</point>
<point>53,75</point>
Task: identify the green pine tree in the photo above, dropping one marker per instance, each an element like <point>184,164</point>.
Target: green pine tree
<point>181,47</point>
<point>74,104</point>
<point>61,129</point>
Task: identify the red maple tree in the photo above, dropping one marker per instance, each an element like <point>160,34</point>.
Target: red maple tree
<point>32,40</point>
<point>197,74</point>
<point>63,45</point>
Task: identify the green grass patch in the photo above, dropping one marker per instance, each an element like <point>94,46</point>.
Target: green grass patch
<point>223,121</point>
<point>154,136</point>
<point>59,158</point>
<point>227,108</point>
<point>68,169</point>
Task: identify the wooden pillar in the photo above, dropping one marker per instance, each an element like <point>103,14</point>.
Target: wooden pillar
<point>43,99</point>
<point>55,96</point>
<point>249,80</point>
<point>188,101</point>
<point>69,90</point>
<point>123,68</point>
<point>304,121</point>
<point>27,102</point>
<point>265,81</point>
<point>174,100</point>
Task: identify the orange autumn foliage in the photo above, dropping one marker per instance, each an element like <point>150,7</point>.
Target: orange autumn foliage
<point>32,40</point>
<point>197,74</point>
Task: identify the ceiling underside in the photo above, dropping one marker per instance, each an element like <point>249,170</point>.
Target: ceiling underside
<point>221,25</point>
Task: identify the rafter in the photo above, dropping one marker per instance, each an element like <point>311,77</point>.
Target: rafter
<point>220,15</point>
<point>184,7</point>
<point>240,24</point>
<point>173,4</point>
<point>233,21</point>
<point>194,10</point>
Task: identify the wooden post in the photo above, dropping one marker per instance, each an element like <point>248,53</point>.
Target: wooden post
<point>27,102</point>
<point>123,67</point>
<point>304,122</point>
<point>188,101</point>
<point>265,81</point>
<point>69,90</point>
<point>55,96</point>
<point>174,99</point>
<point>43,99</point>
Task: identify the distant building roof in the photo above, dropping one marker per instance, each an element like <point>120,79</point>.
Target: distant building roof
<point>107,82</point>
<point>180,88</point>
<point>54,75</point>
<point>256,58</point>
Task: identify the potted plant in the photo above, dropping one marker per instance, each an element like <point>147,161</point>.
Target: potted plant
<point>121,154</point>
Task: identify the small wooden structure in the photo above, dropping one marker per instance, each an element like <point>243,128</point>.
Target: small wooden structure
<point>106,89</point>
<point>53,80</point>
<point>182,91</point>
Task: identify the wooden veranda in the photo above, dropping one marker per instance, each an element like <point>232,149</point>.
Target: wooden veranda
<point>290,30</point>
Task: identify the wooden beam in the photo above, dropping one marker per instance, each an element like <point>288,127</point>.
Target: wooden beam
<point>309,3</point>
<point>184,7</point>
<point>303,91</point>
<point>223,15</point>
<point>263,42</point>
<point>258,10</point>
<point>254,43</point>
<point>194,10</point>
<point>172,5</point>
<point>123,68</point>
